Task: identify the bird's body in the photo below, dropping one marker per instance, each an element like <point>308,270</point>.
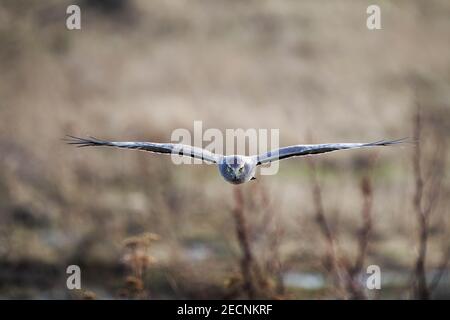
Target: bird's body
<point>236,169</point>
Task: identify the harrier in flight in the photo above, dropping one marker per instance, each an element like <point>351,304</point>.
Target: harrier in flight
<point>235,169</point>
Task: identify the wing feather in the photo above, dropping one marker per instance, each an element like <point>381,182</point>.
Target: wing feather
<point>310,149</point>
<point>165,148</point>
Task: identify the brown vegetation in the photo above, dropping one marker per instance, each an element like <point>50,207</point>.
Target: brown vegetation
<point>140,69</point>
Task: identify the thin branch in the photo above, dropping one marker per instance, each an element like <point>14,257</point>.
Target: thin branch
<point>421,288</point>
<point>337,271</point>
<point>366,228</point>
<point>243,239</point>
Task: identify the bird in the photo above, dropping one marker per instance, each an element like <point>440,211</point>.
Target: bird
<point>235,169</point>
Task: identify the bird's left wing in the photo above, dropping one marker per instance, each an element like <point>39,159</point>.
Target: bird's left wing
<point>309,149</point>
<point>167,148</point>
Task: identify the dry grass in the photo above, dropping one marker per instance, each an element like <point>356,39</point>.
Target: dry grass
<point>153,66</point>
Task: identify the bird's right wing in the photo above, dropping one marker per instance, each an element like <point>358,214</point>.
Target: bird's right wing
<point>167,148</point>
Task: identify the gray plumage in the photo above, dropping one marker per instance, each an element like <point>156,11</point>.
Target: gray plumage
<point>235,169</point>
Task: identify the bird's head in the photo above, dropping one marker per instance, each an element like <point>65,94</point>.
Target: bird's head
<point>236,169</point>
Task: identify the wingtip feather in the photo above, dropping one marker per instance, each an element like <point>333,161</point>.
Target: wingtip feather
<point>82,142</point>
<point>405,140</point>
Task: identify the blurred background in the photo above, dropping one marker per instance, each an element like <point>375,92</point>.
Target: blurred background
<point>140,227</point>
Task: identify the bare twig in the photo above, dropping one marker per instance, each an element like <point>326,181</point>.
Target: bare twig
<point>422,215</point>
<point>272,230</point>
<point>261,270</point>
<point>242,235</point>
<point>338,273</point>
<point>346,275</point>
<point>354,286</point>
<point>424,205</point>
<point>275,266</point>
<point>366,228</point>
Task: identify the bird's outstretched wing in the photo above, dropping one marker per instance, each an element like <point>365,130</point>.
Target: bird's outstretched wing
<point>309,149</point>
<point>167,148</point>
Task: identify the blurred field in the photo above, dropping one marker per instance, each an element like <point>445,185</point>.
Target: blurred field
<point>140,69</point>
